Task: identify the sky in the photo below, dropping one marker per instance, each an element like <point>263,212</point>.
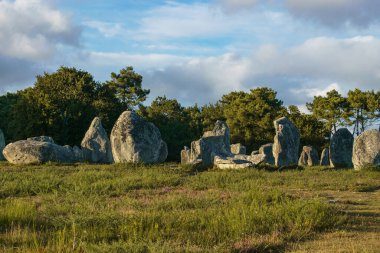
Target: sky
<point>196,51</point>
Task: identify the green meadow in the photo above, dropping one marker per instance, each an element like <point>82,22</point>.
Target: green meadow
<point>173,208</point>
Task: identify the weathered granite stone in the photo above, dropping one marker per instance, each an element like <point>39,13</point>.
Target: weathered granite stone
<point>213,143</point>
<point>325,157</point>
<point>41,139</point>
<point>238,149</point>
<point>35,152</point>
<point>2,145</point>
<point>185,155</point>
<point>286,142</point>
<point>135,140</point>
<point>341,145</point>
<point>78,154</point>
<point>96,145</point>
<point>163,152</point>
<point>231,163</point>
<point>308,157</point>
<point>366,150</point>
<point>256,152</point>
<point>267,150</point>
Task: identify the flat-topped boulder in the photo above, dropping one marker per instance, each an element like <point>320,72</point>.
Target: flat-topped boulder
<point>96,145</point>
<point>341,145</point>
<point>267,150</point>
<point>36,152</point>
<point>286,142</point>
<point>135,140</point>
<point>2,144</point>
<point>325,157</point>
<point>231,163</point>
<point>366,150</point>
<point>308,157</point>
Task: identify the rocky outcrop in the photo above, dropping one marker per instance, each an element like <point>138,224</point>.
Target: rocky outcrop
<point>366,150</point>
<point>341,145</point>
<point>213,143</point>
<point>308,157</point>
<point>286,142</point>
<point>238,149</point>
<point>2,145</point>
<point>135,140</point>
<point>36,152</point>
<point>325,157</point>
<point>267,150</point>
<point>96,145</point>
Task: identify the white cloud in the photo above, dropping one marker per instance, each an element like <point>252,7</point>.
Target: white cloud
<point>107,29</point>
<point>31,29</point>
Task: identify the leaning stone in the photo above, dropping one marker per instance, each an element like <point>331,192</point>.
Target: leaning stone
<point>286,142</point>
<point>41,139</point>
<point>35,152</point>
<point>2,145</point>
<point>238,149</point>
<point>325,157</point>
<point>309,157</point>
<point>341,145</point>
<point>135,140</point>
<point>96,145</point>
<point>366,150</point>
<point>267,150</point>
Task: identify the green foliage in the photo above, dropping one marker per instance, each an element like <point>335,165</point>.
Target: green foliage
<point>333,109</point>
<point>250,115</point>
<point>127,87</point>
<point>174,123</point>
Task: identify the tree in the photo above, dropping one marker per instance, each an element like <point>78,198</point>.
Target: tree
<point>313,131</point>
<point>250,115</point>
<point>333,109</point>
<point>127,87</point>
<point>7,103</point>
<point>210,113</point>
<point>173,122</point>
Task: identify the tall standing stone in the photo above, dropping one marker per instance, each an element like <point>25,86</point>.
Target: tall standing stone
<point>341,145</point>
<point>267,150</point>
<point>286,142</point>
<point>2,145</point>
<point>366,150</point>
<point>96,145</point>
<point>308,157</point>
<point>325,157</point>
<point>135,140</point>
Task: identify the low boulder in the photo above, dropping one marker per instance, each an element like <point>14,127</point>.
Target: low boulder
<point>231,163</point>
<point>96,145</point>
<point>308,157</point>
<point>286,142</point>
<point>2,145</point>
<point>325,157</point>
<point>341,145</point>
<point>36,152</point>
<point>136,140</point>
<point>238,149</point>
<point>267,150</point>
<point>366,150</point>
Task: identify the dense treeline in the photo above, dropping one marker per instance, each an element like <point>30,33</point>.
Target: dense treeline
<point>62,105</point>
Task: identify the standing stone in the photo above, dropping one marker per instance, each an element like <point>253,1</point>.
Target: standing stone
<point>135,140</point>
<point>35,152</point>
<point>185,155</point>
<point>238,149</point>
<point>366,150</point>
<point>286,142</point>
<point>325,157</point>
<point>95,145</point>
<point>309,157</point>
<point>341,145</point>
<point>267,150</point>
<point>2,145</point>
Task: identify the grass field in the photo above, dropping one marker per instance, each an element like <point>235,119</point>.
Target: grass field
<point>169,208</point>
